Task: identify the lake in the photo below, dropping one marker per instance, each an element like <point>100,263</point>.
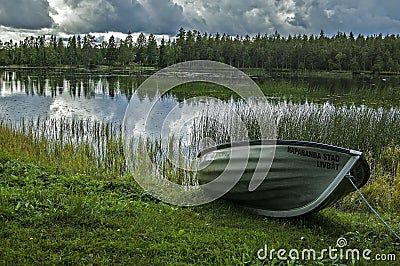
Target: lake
<point>103,96</point>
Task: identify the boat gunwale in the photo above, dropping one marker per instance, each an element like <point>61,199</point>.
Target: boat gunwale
<point>278,142</point>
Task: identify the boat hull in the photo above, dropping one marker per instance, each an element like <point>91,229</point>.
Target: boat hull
<point>294,177</point>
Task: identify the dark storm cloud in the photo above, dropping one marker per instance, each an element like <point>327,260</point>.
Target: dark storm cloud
<point>123,15</point>
<point>243,17</point>
<point>26,14</point>
<point>360,16</point>
<point>293,16</point>
<point>301,16</point>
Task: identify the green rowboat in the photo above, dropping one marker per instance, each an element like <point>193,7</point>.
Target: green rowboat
<point>281,178</point>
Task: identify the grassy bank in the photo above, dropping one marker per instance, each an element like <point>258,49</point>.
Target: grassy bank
<point>49,217</point>
<point>62,203</point>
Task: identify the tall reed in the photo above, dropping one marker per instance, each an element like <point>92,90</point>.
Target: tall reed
<point>81,145</point>
<point>368,129</point>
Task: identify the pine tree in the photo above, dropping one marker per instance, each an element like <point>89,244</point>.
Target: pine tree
<point>111,51</point>
<point>140,47</point>
<point>162,60</point>
<point>152,51</point>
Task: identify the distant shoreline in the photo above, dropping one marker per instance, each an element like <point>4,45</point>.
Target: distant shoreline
<point>254,73</point>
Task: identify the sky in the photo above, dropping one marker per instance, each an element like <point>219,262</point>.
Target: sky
<point>21,18</point>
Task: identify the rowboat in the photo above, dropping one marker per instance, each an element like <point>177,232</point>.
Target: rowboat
<point>281,178</point>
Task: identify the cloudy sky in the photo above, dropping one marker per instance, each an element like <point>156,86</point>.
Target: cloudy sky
<point>19,18</point>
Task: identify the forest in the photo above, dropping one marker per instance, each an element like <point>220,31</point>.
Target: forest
<point>343,52</point>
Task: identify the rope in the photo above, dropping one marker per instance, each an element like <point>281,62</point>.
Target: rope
<point>350,177</point>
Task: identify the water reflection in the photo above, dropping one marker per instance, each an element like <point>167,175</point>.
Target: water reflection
<point>338,83</point>
<point>78,83</point>
<point>63,94</point>
<point>89,94</point>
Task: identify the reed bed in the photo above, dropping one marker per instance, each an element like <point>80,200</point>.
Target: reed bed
<point>83,146</point>
<point>368,129</point>
<point>363,128</point>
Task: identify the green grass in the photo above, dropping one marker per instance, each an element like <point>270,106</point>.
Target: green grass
<point>49,218</point>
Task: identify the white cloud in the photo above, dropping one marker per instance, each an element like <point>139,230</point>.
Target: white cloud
<point>359,16</point>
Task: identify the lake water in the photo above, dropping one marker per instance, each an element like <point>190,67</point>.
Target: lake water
<point>83,94</point>
<point>32,94</point>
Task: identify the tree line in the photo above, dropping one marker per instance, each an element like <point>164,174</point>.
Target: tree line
<point>270,51</point>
